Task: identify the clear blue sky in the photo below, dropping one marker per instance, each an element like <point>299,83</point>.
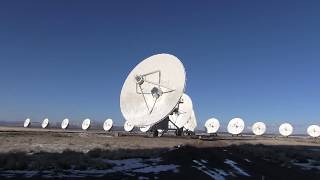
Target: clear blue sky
<point>256,60</point>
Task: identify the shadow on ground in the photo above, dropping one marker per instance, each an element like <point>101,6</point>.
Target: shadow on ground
<point>231,162</point>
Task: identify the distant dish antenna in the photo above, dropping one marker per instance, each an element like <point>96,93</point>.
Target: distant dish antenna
<point>236,126</point>
<point>45,123</point>
<point>183,111</point>
<point>152,90</point>
<point>107,125</point>
<point>128,126</point>
<point>65,123</point>
<point>212,125</point>
<point>27,123</point>
<point>145,128</point>
<point>259,128</point>
<point>191,123</point>
<point>285,129</point>
<point>86,124</point>
<point>314,131</point>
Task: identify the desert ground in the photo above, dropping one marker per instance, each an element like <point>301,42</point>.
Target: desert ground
<point>35,153</point>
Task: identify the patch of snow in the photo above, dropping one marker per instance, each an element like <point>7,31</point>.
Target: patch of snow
<point>126,164</point>
<point>12,173</point>
<point>157,169</point>
<point>143,178</point>
<point>128,167</point>
<point>204,161</point>
<point>247,160</point>
<point>221,172</point>
<point>234,166</point>
<point>314,149</point>
<point>307,166</point>
<point>215,174</point>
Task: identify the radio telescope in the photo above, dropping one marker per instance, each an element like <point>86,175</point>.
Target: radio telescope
<point>65,123</point>
<point>191,123</point>
<point>152,90</point>
<point>45,123</point>
<point>145,128</point>
<point>314,131</point>
<point>107,125</point>
<point>86,124</point>
<point>128,126</point>
<point>285,129</point>
<point>212,125</point>
<point>259,128</point>
<point>27,123</point>
<point>236,126</point>
<point>183,112</point>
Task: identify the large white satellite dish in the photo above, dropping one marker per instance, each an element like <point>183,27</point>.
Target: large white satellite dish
<point>145,128</point>
<point>183,112</point>
<point>191,123</point>
<point>27,123</point>
<point>236,126</point>
<point>259,128</point>
<point>65,123</point>
<point>152,90</point>
<point>45,123</point>
<point>86,124</point>
<point>212,125</point>
<point>313,131</point>
<point>128,126</point>
<point>285,129</point>
<point>107,125</point>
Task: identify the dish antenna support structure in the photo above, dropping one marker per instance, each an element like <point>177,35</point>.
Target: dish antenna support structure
<point>212,126</point>
<point>313,131</point>
<point>259,128</point>
<point>152,91</point>
<point>236,126</point>
<point>65,123</point>
<point>27,122</point>
<point>285,129</point>
<point>45,123</point>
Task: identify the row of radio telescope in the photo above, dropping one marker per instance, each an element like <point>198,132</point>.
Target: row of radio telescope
<point>212,125</point>
<point>153,99</point>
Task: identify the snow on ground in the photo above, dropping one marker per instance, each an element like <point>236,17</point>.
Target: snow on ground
<point>235,167</point>
<point>129,167</point>
<point>311,164</point>
<point>217,174</point>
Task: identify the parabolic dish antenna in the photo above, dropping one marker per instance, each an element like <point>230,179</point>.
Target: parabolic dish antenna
<point>128,126</point>
<point>107,125</point>
<point>65,123</point>
<point>212,125</point>
<point>259,128</point>
<point>86,124</point>
<point>285,129</point>
<point>26,122</point>
<point>145,128</point>
<point>45,123</point>
<point>152,90</point>
<point>183,113</point>
<point>236,126</point>
<point>192,122</point>
<point>314,131</point>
